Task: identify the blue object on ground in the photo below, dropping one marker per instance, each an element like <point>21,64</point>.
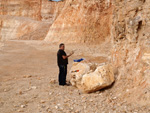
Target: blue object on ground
<point>78,60</point>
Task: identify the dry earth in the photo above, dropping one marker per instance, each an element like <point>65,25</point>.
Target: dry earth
<point>28,83</point>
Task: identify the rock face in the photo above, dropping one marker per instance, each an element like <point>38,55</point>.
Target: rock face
<point>27,19</point>
<point>82,21</point>
<point>51,10</point>
<point>22,28</point>
<point>36,9</point>
<point>26,8</point>
<point>91,78</point>
<point>69,21</point>
<point>131,38</point>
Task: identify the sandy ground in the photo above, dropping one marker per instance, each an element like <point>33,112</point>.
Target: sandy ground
<point>28,82</point>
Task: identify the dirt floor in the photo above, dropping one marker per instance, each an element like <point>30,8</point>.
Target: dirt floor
<point>28,82</point>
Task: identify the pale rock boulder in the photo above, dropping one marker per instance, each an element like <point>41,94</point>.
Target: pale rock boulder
<point>77,76</point>
<point>89,80</point>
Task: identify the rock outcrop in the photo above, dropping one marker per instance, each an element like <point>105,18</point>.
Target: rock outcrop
<point>90,77</point>
<point>12,27</point>
<point>131,39</point>
<point>35,9</point>
<point>25,8</point>
<point>69,21</point>
<point>82,22</point>
<point>27,19</point>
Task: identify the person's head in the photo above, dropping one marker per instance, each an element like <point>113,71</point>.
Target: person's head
<point>62,46</point>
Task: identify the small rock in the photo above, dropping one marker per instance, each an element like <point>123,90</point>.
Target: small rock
<point>20,93</point>
<point>42,101</point>
<point>33,87</point>
<point>20,110</point>
<point>52,81</point>
<point>39,78</point>
<point>100,94</point>
<point>43,106</point>
<point>91,100</point>
<point>16,105</point>
<point>56,107</point>
<point>127,90</point>
<point>77,111</point>
<point>48,109</point>
<point>35,96</point>
<point>5,90</point>
<point>50,93</point>
<point>27,76</point>
<point>23,106</point>
<point>114,98</point>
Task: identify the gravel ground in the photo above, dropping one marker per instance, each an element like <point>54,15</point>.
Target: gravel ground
<point>28,83</point>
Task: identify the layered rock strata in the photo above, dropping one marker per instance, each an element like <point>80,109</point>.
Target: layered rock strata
<point>82,22</point>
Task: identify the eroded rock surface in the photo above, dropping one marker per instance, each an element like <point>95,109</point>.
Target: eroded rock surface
<point>83,22</point>
<point>22,28</point>
<point>36,9</point>
<point>131,37</point>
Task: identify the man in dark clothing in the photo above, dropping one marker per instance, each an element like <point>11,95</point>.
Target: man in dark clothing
<point>62,61</point>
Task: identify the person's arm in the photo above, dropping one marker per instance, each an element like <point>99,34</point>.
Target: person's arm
<point>65,57</point>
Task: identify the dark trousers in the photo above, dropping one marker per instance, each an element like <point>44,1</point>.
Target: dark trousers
<point>62,74</point>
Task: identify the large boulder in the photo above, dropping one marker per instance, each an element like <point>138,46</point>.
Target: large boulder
<point>91,77</point>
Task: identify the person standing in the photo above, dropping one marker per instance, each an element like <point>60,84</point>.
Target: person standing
<point>62,61</point>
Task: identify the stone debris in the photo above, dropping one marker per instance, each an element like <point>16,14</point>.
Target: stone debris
<point>89,79</point>
<point>48,110</point>
<point>52,81</point>
<point>27,76</point>
<point>20,110</point>
<point>42,101</point>
<point>50,93</point>
<point>20,92</point>
<point>23,106</point>
<point>33,87</point>
<point>56,107</point>
<point>5,90</point>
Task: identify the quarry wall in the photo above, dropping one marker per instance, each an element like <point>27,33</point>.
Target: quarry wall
<point>131,39</point>
<point>125,25</point>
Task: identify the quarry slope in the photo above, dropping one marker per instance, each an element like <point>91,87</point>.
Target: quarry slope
<point>106,31</point>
